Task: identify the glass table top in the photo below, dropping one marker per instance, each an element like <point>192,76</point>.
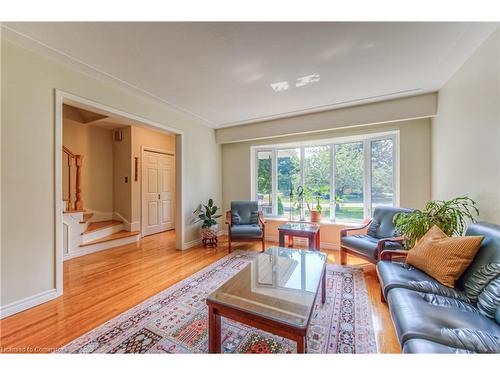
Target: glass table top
<point>302,227</point>
<point>279,284</point>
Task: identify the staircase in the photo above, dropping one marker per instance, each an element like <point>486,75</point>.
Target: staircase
<point>81,235</point>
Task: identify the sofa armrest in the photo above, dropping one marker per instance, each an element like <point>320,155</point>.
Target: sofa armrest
<point>262,221</point>
<point>228,218</point>
<point>344,231</point>
<point>381,243</point>
<point>389,254</point>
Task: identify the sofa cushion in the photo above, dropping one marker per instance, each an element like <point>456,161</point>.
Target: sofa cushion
<point>383,221</point>
<point>480,279</point>
<point>244,212</point>
<point>399,275</point>
<point>415,346</point>
<point>473,340</point>
<point>367,245</point>
<point>415,315</point>
<point>488,253</point>
<point>442,257</point>
<point>246,231</point>
<point>489,299</point>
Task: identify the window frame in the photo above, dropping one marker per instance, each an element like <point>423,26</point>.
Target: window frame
<point>365,139</point>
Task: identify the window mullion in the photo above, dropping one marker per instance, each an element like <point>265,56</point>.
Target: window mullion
<point>302,157</point>
<point>367,196</point>
<point>332,183</point>
<point>274,180</point>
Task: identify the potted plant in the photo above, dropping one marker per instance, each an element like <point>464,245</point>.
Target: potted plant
<point>451,216</point>
<point>206,213</point>
<point>316,212</point>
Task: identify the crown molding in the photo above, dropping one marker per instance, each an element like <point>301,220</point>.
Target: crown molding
<point>35,46</point>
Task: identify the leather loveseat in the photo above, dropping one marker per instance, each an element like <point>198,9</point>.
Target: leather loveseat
<point>432,318</point>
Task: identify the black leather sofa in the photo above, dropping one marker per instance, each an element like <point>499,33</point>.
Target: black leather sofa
<point>432,318</point>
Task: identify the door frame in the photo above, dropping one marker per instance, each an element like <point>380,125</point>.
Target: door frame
<point>62,97</point>
<point>158,151</point>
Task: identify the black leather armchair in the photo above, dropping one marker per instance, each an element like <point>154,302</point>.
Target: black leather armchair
<point>381,235</point>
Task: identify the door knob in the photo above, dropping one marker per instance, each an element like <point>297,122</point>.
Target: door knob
<point>158,196</point>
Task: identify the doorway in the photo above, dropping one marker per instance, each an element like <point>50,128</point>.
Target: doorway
<point>62,98</point>
<point>158,187</point>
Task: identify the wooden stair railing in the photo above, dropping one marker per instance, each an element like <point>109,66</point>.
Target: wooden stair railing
<point>78,206</point>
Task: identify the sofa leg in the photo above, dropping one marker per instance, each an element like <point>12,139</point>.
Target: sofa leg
<point>229,244</point>
<point>343,256</point>
<point>263,244</point>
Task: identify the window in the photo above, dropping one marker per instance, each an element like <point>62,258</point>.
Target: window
<point>348,178</point>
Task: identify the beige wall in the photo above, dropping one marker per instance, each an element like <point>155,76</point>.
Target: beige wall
<point>466,133</point>
<point>143,137</point>
<point>415,163</point>
<point>95,145</point>
<point>27,155</point>
<point>413,107</point>
<point>122,168</point>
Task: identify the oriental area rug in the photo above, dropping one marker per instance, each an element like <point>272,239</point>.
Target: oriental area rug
<point>175,320</point>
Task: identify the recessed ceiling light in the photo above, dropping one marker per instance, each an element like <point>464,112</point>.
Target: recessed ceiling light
<point>280,86</point>
<point>307,80</point>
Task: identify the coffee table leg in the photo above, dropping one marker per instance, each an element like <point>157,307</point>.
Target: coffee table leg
<point>282,238</point>
<point>301,344</point>
<point>311,242</point>
<point>214,331</point>
<point>323,287</point>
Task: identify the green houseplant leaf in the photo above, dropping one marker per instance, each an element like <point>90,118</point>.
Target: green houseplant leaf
<point>451,216</point>
<point>206,213</point>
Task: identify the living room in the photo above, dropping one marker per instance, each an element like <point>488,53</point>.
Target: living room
<point>334,187</point>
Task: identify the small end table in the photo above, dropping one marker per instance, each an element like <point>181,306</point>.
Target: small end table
<point>309,231</point>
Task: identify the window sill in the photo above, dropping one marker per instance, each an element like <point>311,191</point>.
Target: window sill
<point>322,222</point>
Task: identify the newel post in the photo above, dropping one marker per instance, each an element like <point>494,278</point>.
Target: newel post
<point>79,200</point>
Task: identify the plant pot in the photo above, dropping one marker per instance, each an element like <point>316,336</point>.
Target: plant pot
<point>210,232</point>
<point>315,216</point>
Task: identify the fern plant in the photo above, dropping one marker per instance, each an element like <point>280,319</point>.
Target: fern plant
<point>207,214</point>
<point>451,216</point>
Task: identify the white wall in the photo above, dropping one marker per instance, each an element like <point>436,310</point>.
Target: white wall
<point>466,132</point>
<point>27,155</point>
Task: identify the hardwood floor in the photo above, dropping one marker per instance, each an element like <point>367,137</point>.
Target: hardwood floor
<point>100,286</point>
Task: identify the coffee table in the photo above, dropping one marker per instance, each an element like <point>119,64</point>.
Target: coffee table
<point>275,292</point>
<point>309,231</point>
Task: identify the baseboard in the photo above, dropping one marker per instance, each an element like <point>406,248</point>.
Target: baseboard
<point>303,241</point>
<point>190,244</point>
<point>100,215</point>
<point>27,303</point>
<point>126,224</point>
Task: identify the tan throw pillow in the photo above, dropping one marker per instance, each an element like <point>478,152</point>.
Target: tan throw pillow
<point>442,257</point>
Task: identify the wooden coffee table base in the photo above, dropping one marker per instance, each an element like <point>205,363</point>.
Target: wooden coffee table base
<point>216,311</point>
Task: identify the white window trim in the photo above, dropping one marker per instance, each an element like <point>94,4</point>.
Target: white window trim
<point>366,139</point>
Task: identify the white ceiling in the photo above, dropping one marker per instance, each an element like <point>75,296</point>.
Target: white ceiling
<point>221,72</point>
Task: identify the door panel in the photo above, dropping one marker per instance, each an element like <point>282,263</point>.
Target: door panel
<point>158,192</point>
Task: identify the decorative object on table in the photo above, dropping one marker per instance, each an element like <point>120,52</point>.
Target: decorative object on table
<point>381,235</point>
<point>206,213</point>
<point>299,201</point>
<point>309,231</point>
<point>450,216</point>
<point>245,223</point>
<point>316,211</point>
<point>175,320</point>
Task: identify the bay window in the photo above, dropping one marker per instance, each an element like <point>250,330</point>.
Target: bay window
<point>344,178</point>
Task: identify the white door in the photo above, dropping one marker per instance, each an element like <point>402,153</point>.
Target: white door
<point>157,192</point>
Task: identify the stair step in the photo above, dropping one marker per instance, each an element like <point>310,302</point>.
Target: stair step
<point>86,217</point>
<point>111,237</point>
<point>98,225</point>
